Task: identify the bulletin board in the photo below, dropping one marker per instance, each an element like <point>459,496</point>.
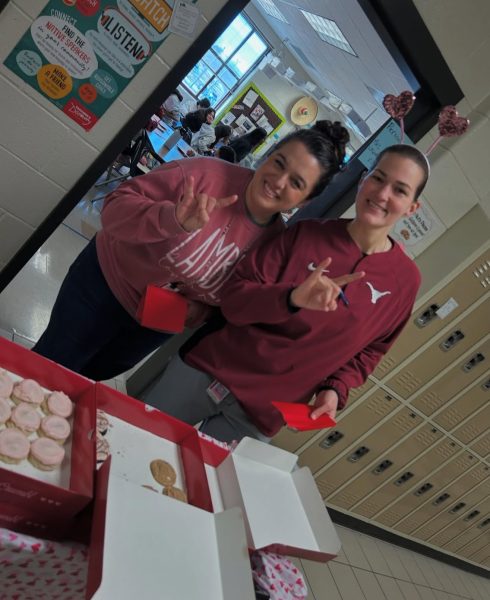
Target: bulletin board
<point>250,109</point>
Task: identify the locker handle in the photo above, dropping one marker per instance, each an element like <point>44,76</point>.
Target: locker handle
<point>386,464</point>
<point>474,360</point>
<point>486,385</point>
<point>359,453</point>
<point>404,478</point>
<point>442,498</point>
<point>452,340</point>
<point>457,507</point>
<point>331,439</point>
<point>423,489</point>
<point>484,524</point>
<point>470,516</point>
<point>427,316</point>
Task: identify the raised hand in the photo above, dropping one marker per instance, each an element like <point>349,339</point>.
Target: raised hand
<point>318,292</point>
<point>326,403</point>
<point>193,211</point>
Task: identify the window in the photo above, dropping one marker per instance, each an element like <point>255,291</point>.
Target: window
<point>328,31</point>
<point>232,56</point>
<point>272,10</point>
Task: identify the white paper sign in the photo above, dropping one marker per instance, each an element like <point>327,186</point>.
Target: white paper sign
<point>447,308</point>
<point>250,98</point>
<point>184,19</point>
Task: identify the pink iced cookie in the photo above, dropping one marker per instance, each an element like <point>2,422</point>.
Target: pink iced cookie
<point>58,403</point>
<point>46,454</point>
<point>56,428</point>
<point>6,385</point>
<point>28,391</point>
<point>5,410</point>
<point>25,418</point>
<point>14,446</point>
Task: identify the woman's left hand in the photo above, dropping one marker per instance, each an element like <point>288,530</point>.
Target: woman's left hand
<point>326,403</point>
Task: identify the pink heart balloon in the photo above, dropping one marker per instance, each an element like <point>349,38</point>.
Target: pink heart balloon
<point>398,106</point>
<point>450,123</point>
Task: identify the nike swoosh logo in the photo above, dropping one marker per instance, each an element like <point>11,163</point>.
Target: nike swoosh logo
<point>313,267</point>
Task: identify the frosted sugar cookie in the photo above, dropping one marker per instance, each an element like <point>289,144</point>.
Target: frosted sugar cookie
<point>56,428</point>
<point>5,410</point>
<point>25,417</point>
<point>14,446</point>
<point>45,454</point>
<point>6,384</point>
<point>57,403</point>
<point>28,391</point>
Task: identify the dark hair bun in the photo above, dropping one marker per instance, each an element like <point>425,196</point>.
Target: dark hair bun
<point>335,131</point>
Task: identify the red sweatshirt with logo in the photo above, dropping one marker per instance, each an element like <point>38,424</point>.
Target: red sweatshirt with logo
<point>265,352</point>
<point>142,243</point>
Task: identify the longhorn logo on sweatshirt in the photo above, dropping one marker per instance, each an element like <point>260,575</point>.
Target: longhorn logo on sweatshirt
<point>375,294</point>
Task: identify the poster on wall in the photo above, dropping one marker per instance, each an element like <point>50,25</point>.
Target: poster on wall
<point>250,109</point>
<point>81,54</point>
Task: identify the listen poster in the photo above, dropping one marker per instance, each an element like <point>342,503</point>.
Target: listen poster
<point>81,54</point>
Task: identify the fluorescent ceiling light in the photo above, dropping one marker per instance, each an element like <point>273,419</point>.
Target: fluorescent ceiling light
<point>272,10</point>
<point>328,31</point>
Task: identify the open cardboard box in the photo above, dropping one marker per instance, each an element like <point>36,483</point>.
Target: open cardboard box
<point>152,545</point>
<point>63,493</point>
<point>283,509</point>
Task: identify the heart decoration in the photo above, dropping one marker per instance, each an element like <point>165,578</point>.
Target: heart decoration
<point>450,123</point>
<point>398,106</point>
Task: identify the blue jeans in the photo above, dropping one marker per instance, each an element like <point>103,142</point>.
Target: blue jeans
<point>89,331</point>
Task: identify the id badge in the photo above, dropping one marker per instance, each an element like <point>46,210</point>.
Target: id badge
<point>217,391</point>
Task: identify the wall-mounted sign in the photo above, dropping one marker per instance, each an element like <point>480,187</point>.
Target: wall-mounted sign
<point>388,136</point>
<point>81,54</point>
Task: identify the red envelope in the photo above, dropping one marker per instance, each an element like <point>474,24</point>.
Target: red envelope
<point>162,309</point>
<point>297,415</point>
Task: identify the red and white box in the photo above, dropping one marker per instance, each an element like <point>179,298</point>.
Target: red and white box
<point>64,492</point>
<point>283,509</point>
<point>167,547</point>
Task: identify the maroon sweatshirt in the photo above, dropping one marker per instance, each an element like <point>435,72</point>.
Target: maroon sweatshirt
<point>266,352</point>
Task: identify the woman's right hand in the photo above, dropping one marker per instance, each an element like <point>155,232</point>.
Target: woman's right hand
<point>318,292</point>
<point>193,211</point>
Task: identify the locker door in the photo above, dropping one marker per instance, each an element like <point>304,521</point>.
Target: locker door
<point>447,496</point>
<point>463,525</point>
<point>373,478</point>
<point>481,555</point>
<point>460,377</point>
<point>472,532</point>
<point>473,427</point>
<point>292,440</point>
<point>366,415</point>
<point>445,350</point>
<point>464,406</point>
<point>478,482</point>
<point>480,543</point>
<point>424,324</point>
<point>430,486</point>
<point>482,446</point>
<point>371,447</point>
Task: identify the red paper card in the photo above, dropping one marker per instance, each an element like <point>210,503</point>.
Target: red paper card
<point>297,415</point>
<point>162,309</point>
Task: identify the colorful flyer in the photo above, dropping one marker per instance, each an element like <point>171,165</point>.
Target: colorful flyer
<point>81,54</point>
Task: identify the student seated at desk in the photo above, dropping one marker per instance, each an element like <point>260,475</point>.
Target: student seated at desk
<point>203,138</point>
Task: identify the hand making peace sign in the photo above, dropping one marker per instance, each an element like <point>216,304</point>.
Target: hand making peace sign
<point>194,210</point>
<point>318,292</point>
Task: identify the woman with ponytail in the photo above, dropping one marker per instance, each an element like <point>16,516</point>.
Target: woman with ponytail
<point>309,313</point>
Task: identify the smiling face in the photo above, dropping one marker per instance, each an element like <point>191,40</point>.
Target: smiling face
<point>210,118</point>
<point>387,193</point>
<point>283,181</point>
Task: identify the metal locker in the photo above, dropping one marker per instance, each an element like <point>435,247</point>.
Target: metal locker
<point>474,426</point>
<point>481,555</point>
<point>456,379</point>
<point>425,323</point>
<point>367,450</point>
<point>480,543</point>
<point>447,496</point>
<point>465,405</point>
<point>400,456</point>
<point>463,524</point>
<point>439,355</point>
<point>366,415</point>
<point>472,532</point>
<point>430,485</point>
<point>478,482</point>
<point>482,446</point>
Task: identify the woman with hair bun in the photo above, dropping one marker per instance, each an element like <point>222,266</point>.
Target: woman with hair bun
<point>183,225</point>
<point>309,313</point>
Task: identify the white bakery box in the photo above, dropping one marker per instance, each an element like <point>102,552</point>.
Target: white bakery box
<point>148,543</point>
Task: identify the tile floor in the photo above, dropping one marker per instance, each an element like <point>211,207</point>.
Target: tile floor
<point>366,568</point>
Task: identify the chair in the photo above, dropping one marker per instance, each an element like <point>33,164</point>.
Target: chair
<point>140,146</point>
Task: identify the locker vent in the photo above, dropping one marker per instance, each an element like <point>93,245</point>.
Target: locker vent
<point>482,273</point>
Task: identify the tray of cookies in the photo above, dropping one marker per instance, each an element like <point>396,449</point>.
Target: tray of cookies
<point>47,454</point>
